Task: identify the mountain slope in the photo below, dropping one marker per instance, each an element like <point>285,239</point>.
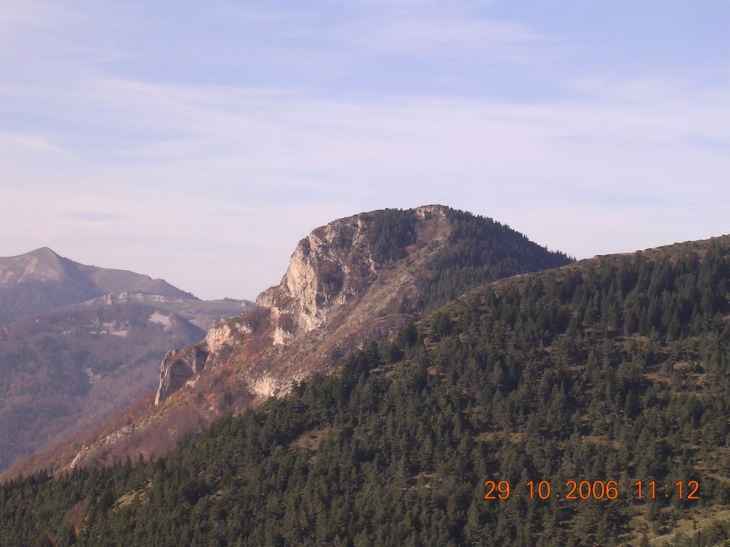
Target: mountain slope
<point>67,369</point>
<point>356,279</point>
<point>611,371</point>
<point>201,313</point>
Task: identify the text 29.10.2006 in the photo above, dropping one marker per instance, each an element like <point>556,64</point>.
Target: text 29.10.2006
<point>598,490</point>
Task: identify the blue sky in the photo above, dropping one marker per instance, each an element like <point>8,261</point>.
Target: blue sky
<point>199,141</point>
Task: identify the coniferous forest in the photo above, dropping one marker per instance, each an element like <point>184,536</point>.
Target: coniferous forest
<point>579,382</point>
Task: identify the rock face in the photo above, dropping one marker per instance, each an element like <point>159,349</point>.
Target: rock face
<point>178,367</point>
<point>329,268</point>
<point>356,279</point>
<point>330,271</point>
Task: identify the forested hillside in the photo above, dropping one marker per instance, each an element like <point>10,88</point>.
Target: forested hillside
<point>611,371</point>
<point>480,250</point>
<point>477,250</point>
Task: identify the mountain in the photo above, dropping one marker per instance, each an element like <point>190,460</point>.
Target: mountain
<point>582,406</point>
<point>65,365</point>
<point>353,280</point>
<point>41,281</point>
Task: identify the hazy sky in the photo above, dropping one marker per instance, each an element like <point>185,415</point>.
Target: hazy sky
<point>199,141</point>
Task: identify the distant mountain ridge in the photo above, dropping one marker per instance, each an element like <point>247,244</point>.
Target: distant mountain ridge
<point>41,281</point>
<point>78,342</point>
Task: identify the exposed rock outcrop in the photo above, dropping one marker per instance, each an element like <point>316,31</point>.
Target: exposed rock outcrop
<point>330,267</point>
<point>329,272</point>
<point>178,368</point>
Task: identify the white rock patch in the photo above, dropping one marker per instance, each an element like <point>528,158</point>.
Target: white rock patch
<point>114,329</point>
<point>93,378</point>
<point>266,386</point>
<point>163,320</point>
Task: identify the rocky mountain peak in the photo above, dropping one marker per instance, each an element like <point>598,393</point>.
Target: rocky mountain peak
<point>79,342</point>
<point>333,266</point>
<point>41,281</point>
<point>39,265</point>
<point>330,272</point>
<point>353,280</point>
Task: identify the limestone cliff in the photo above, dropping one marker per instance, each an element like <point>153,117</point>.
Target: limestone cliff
<point>331,267</point>
<point>330,275</point>
<point>178,367</point>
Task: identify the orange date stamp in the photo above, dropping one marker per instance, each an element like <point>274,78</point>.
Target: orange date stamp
<point>597,490</point>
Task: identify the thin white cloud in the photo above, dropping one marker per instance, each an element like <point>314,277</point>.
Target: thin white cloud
<point>18,16</point>
<point>248,15</point>
<point>13,143</point>
<point>31,31</point>
<point>457,38</point>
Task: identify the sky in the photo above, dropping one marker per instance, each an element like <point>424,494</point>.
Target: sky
<point>200,141</point>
